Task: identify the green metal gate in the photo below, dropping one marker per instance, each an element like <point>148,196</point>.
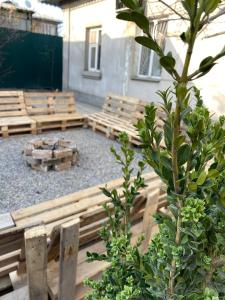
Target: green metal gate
<point>30,60</point>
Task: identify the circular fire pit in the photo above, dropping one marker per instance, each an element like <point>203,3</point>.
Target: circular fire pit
<point>50,154</point>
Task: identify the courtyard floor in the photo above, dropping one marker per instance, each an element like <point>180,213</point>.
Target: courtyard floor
<point>20,186</point>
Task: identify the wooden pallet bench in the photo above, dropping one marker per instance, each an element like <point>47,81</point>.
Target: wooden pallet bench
<point>119,114</point>
<point>13,115</point>
<point>63,278</point>
<point>86,205</point>
<point>53,110</point>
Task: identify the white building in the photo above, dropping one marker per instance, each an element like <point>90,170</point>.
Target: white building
<point>101,56</point>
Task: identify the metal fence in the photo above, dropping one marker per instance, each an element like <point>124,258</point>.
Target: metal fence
<point>30,60</point>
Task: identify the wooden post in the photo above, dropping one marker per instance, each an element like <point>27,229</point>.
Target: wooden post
<point>148,220</point>
<point>69,244</point>
<point>36,258</point>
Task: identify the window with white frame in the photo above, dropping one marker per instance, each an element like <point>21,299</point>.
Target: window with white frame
<point>94,36</point>
<point>149,65</point>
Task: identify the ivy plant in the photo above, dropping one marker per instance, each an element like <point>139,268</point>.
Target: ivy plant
<point>186,259</point>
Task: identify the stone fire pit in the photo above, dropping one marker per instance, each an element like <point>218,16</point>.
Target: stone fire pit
<point>50,154</point>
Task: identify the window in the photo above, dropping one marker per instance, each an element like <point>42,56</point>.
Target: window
<point>94,36</point>
<point>149,65</point>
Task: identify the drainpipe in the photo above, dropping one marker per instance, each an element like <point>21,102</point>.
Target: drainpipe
<point>68,50</point>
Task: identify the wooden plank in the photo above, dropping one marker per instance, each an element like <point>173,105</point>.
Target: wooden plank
<point>36,257</point>
<point>72,198</point>
<point>73,208</point>
<point>69,243</point>
<point>84,269</point>
<point>8,269</point>
<point>50,103</point>
<point>9,258</point>
<point>148,220</point>
<point>6,221</point>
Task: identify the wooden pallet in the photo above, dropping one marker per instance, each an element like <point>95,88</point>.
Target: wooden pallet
<point>119,114</point>
<point>86,204</point>
<point>53,110</point>
<point>64,279</point>
<point>13,115</point>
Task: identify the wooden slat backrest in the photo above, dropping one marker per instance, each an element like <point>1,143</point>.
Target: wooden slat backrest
<point>47,103</point>
<point>139,114</point>
<point>122,107</point>
<point>12,104</point>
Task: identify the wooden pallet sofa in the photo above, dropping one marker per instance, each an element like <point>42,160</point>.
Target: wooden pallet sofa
<point>13,115</point>
<point>119,114</point>
<point>53,110</point>
<point>86,206</point>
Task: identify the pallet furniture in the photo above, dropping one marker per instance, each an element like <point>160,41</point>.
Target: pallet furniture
<point>86,205</point>
<point>119,114</point>
<point>56,267</point>
<point>13,115</point>
<point>53,110</point>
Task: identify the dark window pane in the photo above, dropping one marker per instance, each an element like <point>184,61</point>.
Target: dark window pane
<point>93,53</point>
<point>99,57</point>
<point>144,61</point>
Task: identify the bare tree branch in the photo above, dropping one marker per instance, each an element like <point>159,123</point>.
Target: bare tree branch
<point>173,10</point>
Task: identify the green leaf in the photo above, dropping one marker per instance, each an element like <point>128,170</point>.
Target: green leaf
<point>149,43</point>
<point>184,239</point>
<point>210,6</point>
<point>222,192</point>
<point>141,21</point>
<point>205,62</point>
<point>192,186</point>
<point>126,16</point>
<point>201,179</point>
<point>183,154</point>
<point>130,4</point>
<point>166,162</point>
<point>213,173</point>
<point>168,63</point>
<point>183,37</point>
<point>189,6</point>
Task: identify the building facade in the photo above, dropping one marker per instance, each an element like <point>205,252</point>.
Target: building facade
<point>101,56</point>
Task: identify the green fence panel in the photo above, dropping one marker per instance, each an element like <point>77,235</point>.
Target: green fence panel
<point>30,60</point>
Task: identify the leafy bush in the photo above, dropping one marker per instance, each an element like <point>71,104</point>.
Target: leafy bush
<point>186,259</point>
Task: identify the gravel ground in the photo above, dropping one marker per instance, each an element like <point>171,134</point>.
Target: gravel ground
<point>21,186</point>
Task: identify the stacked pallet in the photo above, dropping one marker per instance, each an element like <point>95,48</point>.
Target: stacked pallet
<point>53,110</point>
<point>13,115</point>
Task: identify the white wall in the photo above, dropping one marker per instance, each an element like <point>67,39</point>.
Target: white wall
<point>120,56</point>
<point>115,48</point>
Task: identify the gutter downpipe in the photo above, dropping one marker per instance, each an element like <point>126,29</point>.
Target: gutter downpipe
<point>68,50</point>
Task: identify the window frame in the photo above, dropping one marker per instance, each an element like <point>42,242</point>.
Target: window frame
<point>152,55</point>
<point>96,45</point>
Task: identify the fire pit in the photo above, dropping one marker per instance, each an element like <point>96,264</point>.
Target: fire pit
<point>50,154</point>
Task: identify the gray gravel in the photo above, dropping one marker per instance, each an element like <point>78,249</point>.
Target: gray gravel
<point>21,186</point>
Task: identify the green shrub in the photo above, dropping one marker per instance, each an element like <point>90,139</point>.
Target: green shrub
<point>186,259</point>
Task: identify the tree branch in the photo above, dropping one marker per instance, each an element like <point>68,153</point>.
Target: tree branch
<point>173,10</point>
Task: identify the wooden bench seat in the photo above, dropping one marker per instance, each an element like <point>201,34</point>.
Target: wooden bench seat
<point>53,110</point>
<point>13,115</point>
<point>119,114</point>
